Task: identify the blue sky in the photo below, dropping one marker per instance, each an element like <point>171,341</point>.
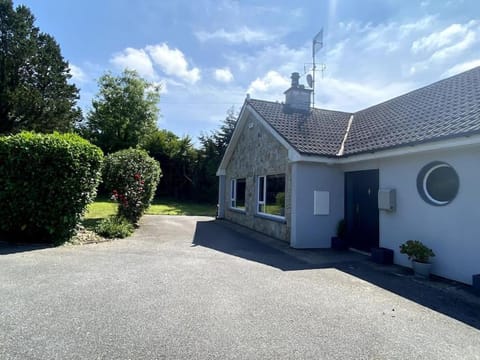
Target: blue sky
<point>208,54</point>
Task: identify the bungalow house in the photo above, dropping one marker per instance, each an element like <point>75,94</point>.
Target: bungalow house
<point>408,168</point>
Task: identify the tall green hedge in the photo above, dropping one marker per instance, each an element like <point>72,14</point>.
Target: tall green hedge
<point>131,176</point>
<point>46,182</point>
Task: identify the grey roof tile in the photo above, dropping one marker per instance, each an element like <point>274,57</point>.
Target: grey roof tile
<point>447,108</point>
<point>318,132</point>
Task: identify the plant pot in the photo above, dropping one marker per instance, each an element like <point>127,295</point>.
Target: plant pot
<point>476,283</point>
<point>339,243</point>
<point>421,270</point>
<point>382,256</point>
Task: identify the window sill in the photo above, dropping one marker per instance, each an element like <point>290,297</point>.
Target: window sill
<point>277,218</point>
<point>237,210</point>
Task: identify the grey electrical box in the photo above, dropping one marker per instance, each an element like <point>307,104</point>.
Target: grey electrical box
<point>386,199</point>
<point>321,203</point>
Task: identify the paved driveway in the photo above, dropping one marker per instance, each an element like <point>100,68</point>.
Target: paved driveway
<point>193,288</point>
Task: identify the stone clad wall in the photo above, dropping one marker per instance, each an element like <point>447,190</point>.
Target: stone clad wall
<point>258,153</point>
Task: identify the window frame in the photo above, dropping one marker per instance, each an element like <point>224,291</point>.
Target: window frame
<point>233,195</point>
<point>422,180</point>
<point>263,192</point>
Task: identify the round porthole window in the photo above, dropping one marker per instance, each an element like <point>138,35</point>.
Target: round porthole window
<point>438,183</point>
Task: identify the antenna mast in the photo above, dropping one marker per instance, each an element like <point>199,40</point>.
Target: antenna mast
<point>317,44</point>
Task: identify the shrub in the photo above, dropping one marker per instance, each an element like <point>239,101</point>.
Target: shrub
<point>415,250</point>
<point>46,182</point>
<point>131,176</point>
<point>114,227</point>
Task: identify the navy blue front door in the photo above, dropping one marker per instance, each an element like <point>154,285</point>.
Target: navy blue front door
<point>361,209</point>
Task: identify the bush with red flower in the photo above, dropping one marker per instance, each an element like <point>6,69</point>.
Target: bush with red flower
<point>132,177</point>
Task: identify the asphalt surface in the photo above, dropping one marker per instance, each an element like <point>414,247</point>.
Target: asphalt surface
<point>195,288</point>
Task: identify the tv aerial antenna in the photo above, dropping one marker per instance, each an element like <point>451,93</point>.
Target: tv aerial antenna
<point>317,44</point>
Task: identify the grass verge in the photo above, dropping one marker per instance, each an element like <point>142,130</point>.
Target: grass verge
<point>103,208</point>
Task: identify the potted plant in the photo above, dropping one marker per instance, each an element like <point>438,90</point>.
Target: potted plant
<point>339,242</point>
<point>420,256</point>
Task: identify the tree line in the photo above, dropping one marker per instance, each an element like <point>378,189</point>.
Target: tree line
<point>36,94</point>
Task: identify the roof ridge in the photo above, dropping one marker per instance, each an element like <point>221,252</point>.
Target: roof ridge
<point>347,132</point>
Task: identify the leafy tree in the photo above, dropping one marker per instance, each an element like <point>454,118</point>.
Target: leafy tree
<point>189,173</point>
<point>178,159</point>
<point>223,136</point>
<point>124,112</point>
<point>210,155</point>
<point>34,89</point>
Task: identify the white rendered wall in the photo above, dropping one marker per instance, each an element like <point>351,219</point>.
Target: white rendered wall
<point>452,231</point>
<point>309,230</point>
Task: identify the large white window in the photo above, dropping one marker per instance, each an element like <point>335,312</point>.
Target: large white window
<point>238,187</point>
<point>271,195</point>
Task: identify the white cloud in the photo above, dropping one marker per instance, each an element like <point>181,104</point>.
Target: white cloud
<point>223,75</point>
<point>455,49</point>
<point>269,87</point>
<point>242,35</point>
<point>332,92</point>
<point>77,73</point>
<point>439,39</point>
<point>385,37</point>
<point>415,49</point>
<point>339,94</point>
<point>462,67</point>
<point>173,62</point>
<point>135,59</point>
<point>379,74</point>
<point>444,46</point>
<point>384,30</point>
<point>415,26</point>
<point>279,58</point>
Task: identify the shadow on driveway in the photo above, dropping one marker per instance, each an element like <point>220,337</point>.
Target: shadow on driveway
<point>449,298</point>
<point>209,234</point>
<point>12,248</point>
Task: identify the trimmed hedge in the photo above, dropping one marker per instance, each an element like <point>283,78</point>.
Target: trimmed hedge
<point>131,176</point>
<point>46,182</point>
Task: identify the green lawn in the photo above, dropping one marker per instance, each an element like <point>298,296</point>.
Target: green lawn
<point>103,208</point>
<point>172,207</point>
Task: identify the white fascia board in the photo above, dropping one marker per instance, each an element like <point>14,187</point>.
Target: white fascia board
<point>415,149</point>
<point>294,157</point>
<point>406,150</point>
